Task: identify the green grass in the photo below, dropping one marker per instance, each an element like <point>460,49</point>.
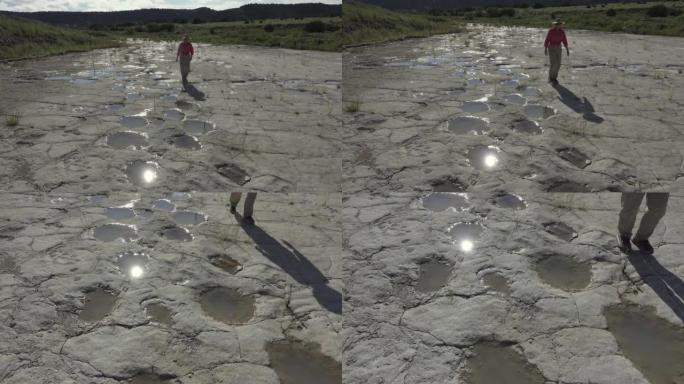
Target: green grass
<point>365,23</point>
<point>285,33</point>
<point>23,38</point>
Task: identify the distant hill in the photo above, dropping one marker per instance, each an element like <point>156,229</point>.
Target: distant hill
<point>454,4</point>
<point>246,12</point>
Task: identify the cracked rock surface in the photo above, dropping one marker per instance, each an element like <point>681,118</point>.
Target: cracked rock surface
<point>207,308</point>
<point>427,109</point>
<point>539,294</point>
<point>258,118</point>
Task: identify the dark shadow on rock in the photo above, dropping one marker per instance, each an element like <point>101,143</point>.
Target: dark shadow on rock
<point>194,92</point>
<point>581,106</point>
<point>668,286</point>
<point>295,264</point>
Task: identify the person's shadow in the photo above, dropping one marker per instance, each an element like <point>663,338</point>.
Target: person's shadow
<point>668,286</point>
<point>295,264</point>
<point>194,92</point>
<point>577,104</point>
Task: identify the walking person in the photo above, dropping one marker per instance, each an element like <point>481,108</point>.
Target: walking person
<point>248,209</point>
<point>184,53</point>
<point>552,48</point>
<point>656,203</point>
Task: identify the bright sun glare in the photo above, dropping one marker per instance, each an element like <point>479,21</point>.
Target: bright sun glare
<point>149,175</point>
<point>467,245</point>
<point>491,160</point>
<point>136,271</point>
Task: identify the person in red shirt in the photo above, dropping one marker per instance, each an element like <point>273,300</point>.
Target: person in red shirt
<point>552,47</point>
<point>185,52</point>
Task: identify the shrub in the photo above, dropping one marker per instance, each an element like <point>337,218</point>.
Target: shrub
<point>658,11</point>
<point>197,20</point>
<point>538,5</point>
<point>12,120</point>
<point>269,28</point>
<point>315,26</point>
<point>611,13</point>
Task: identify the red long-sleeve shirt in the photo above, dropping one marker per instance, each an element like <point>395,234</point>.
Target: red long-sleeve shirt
<point>555,37</point>
<point>185,48</point>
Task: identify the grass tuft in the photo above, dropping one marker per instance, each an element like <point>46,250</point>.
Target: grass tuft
<point>11,120</point>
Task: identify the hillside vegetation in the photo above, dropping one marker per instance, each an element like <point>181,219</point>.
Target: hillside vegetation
<point>23,38</point>
<point>365,23</point>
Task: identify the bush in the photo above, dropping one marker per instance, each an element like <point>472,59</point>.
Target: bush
<point>315,26</point>
<point>154,27</point>
<point>268,28</point>
<point>611,13</point>
<point>197,20</point>
<point>658,11</point>
<point>538,5</point>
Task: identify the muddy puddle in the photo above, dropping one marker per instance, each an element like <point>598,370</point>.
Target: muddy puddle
<point>527,126</point>
<point>227,305</point>
<point>177,234</point>
<point>132,264</point>
<point>189,218</point>
<point>654,345</point>
<point>496,282</point>
<point>448,185</point>
<point>440,201</point>
<point>515,98</point>
<point>225,263</point>
<point>300,363</point>
<point>197,127</point>
<point>510,201</point>
<point>174,114</point>
<point>538,112</point>
<point>128,139</point>
<point>134,122</point>
<point>464,125</point>
<point>119,213</point>
<point>531,92</point>
<point>474,107</point>
<point>186,142</point>
<point>97,305</point>
<point>115,231</point>
<point>433,275</point>
<point>142,173</point>
<point>159,313</point>
<point>164,205</point>
<point>484,157</point>
<point>133,96</point>
<point>465,235</point>
<point>233,173</point>
<point>149,378</point>
<point>495,364</point>
<point>560,230</point>
<point>574,156</point>
<point>564,272</point>
<point>115,106</point>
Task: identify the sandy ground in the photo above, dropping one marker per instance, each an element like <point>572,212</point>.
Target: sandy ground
<point>475,109</point>
<point>183,292</point>
<point>541,281</point>
<point>259,118</point>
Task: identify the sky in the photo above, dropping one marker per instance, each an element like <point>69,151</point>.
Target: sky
<point>120,5</point>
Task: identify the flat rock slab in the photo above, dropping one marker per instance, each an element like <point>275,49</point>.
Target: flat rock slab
<point>505,291</point>
<point>92,310</point>
<point>273,113</point>
<point>613,124</point>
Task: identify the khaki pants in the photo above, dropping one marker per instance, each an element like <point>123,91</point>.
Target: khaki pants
<point>656,203</point>
<point>248,209</point>
<point>185,67</point>
<point>555,57</point>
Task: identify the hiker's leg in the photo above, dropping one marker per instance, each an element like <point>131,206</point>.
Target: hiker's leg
<point>185,67</point>
<point>234,199</point>
<point>249,204</point>
<point>555,55</point>
<point>657,205</point>
<point>630,202</point>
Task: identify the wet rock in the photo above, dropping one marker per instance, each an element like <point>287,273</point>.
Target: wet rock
<point>177,234</point>
<point>564,272</point>
<point>560,230</point>
<point>234,173</point>
<point>433,275</point>
<point>495,364</point>
<point>574,156</point>
<point>98,303</point>
<point>511,201</point>
<point>226,263</point>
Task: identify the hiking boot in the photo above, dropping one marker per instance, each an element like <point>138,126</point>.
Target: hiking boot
<point>644,246</point>
<point>233,208</point>
<point>623,242</point>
